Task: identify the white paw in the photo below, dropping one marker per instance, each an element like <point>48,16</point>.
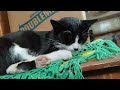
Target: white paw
<point>42,61</point>
<point>60,54</point>
<point>65,54</point>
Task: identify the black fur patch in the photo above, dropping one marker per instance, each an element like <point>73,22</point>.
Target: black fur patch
<point>27,65</point>
<point>26,39</point>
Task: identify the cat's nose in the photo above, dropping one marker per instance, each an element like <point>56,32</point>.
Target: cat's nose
<point>76,49</point>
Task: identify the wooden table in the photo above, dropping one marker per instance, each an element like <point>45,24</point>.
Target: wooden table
<point>105,69</point>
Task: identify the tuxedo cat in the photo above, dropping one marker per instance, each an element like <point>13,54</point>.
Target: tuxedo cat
<point>25,50</point>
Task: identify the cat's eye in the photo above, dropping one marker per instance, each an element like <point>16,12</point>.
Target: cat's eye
<point>67,37</point>
<point>79,41</point>
<point>67,34</point>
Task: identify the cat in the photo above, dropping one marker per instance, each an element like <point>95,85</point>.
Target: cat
<point>25,50</point>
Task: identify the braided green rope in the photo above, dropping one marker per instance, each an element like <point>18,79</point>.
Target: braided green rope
<point>99,49</point>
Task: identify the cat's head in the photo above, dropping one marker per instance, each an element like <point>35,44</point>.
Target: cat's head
<point>71,32</point>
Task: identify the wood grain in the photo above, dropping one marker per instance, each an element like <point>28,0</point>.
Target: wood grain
<point>105,69</point>
<point>4,23</point>
<point>93,64</point>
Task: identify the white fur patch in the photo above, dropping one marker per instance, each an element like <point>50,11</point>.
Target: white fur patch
<point>21,53</point>
<point>12,69</point>
<point>60,54</point>
<point>75,45</point>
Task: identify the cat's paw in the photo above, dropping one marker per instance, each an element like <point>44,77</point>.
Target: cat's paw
<point>42,61</point>
<point>60,54</point>
<point>65,54</point>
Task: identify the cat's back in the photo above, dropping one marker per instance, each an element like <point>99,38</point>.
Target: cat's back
<point>28,39</point>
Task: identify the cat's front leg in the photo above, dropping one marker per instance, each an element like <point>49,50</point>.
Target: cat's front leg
<point>60,54</point>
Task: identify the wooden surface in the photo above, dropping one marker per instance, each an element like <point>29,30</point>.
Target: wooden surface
<point>106,73</point>
<point>93,64</point>
<point>105,69</point>
<point>4,23</point>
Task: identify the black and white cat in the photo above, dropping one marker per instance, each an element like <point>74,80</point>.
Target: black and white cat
<point>26,50</point>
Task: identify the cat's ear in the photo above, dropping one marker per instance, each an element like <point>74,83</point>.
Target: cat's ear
<point>90,22</point>
<point>55,24</point>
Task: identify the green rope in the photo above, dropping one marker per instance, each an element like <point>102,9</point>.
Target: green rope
<point>99,49</point>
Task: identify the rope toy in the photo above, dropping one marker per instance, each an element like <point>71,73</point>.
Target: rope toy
<point>99,49</point>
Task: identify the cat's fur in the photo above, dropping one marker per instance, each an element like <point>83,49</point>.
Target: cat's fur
<point>20,51</point>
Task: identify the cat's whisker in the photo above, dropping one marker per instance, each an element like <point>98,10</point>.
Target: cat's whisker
<point>85,30</point>
<point>53,42</point>
<point>50,39</point>
<point>60,45</point>
<point>88,34</point>
<point>85,33</point>
<point>53,47</point>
